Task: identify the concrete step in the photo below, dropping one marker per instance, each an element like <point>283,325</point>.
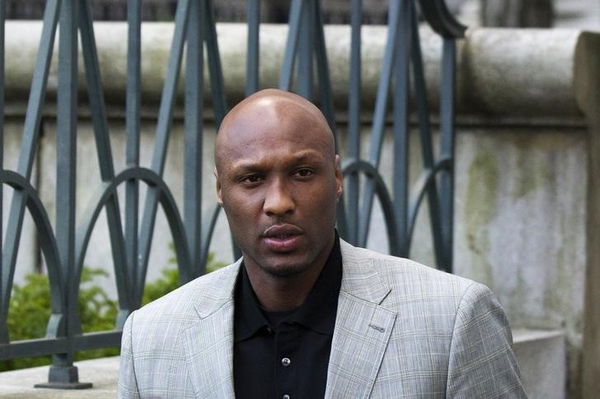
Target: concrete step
<point>542,358</point>
<point>103,373</point>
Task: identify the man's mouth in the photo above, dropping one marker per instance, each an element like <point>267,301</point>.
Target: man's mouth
<point>282,237</point>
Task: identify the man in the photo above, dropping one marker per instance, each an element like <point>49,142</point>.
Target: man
<point>304,314</point>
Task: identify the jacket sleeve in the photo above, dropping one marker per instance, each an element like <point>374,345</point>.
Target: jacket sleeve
<point>481,363</point>
<point>127,380</point>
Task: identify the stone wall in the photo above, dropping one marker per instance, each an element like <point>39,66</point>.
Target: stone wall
<point>527,200</point>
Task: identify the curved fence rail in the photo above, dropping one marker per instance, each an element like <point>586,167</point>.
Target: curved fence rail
<point>304,70</point>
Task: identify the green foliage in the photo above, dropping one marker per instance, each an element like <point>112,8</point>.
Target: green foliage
<point>97,312</point>
<point>29,309</point>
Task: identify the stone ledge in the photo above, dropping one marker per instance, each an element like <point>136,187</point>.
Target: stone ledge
<point>500,72</point>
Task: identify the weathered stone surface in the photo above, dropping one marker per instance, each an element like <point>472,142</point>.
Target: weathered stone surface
<point>520,224</point>
<point>527,72</point>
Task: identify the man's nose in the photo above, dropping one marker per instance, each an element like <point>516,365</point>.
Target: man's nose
<point>278,199</point>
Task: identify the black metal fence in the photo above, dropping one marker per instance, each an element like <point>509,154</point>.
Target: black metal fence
<point>65,243</point>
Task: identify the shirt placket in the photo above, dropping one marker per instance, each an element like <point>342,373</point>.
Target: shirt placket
<point>285,350</point>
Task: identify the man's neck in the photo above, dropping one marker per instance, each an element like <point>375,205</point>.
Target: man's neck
<point>281,293</point>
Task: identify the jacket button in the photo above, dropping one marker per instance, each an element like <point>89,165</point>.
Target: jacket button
<point>285,362</point>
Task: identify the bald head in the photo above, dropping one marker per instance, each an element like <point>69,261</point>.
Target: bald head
<point>268,114</point>
<point>278,180</point>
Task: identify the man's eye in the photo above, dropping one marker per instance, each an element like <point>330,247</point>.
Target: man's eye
<point>251,179</point>
<point>304,172</point>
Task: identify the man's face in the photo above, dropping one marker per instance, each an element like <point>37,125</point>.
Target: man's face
<point>278,181</point>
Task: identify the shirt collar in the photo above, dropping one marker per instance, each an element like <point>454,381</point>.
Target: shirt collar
<point>316,313</point>
<point>248,317</point>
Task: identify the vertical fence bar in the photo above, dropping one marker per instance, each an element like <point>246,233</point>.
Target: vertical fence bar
<point>400,126</point>
<point>304,72</point>
<point>62,371</point>
<point>253,48</point>
<point>325,94</point>
<point>165,114</point>
<point>214,65</point>
<point>66,167</point>
<point>219,105</point>
<point>426,140</point>
<point>379,118</point>
<point>132,151</point>
<point>447,141</point>
<point>105,158</point>
<point>320,51</point>
<point>194,82</point>
<point>354,98</point>
<point>163,129</point>
<point>287,67</point>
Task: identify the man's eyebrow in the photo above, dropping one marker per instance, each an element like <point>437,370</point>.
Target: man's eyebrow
<point>308,155</point>
<point>243,165</point>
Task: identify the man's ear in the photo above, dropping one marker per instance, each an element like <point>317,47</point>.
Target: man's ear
<point>339,177</point>
<point>219,192</point>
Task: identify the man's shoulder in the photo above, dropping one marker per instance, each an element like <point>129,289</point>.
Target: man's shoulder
<point>419,293</point>
<point>182,302</point>
<point>408,278</point>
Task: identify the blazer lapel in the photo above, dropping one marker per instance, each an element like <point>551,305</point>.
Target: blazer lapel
<point>362,328</point>
<point>211,365</point>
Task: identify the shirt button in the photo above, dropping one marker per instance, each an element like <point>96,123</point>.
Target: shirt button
<point>285,362</point>
<point>286,396</point>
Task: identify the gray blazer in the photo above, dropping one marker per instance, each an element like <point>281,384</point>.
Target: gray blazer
<point>402,330</point>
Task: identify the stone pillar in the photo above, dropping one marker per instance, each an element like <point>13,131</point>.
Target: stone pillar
<point>587,75</point>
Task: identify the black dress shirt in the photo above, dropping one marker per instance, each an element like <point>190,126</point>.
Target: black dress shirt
<point>284,355</point>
